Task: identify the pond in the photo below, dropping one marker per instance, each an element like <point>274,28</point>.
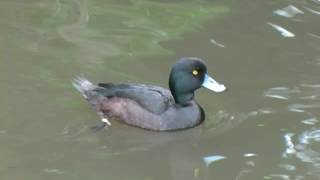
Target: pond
<point>266,126</point>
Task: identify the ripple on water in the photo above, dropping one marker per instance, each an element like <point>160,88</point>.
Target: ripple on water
<point>290,149</point>
<point>284,32</point>
<point>54,171</point>
<point>288,167</point>
<point>281,92</point>
<point>310,121</point>
<point>310,136</point>
<point>212,158</point>
<point>289,12</point>
<point>304,147</point>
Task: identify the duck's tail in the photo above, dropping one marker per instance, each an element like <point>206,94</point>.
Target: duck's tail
<point>85,87</point>
<point>90,92</point>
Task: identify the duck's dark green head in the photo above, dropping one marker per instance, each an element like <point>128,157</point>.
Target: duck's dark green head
<point>188,75</point>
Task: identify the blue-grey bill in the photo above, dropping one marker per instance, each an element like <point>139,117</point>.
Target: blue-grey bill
<point>212,84</point>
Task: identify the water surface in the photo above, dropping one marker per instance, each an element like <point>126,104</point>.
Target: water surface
<point>265,127</point>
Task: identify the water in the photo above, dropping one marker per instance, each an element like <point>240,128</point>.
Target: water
<point>265,127</point>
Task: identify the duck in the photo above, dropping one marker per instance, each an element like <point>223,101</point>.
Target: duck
<point>153,107</point>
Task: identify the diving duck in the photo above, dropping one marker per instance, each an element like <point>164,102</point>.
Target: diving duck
<point>153,107</point>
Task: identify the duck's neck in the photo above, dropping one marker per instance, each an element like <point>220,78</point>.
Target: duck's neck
<point>179,91</point>
<point>182,98</point>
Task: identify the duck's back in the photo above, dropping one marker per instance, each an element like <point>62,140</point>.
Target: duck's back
<point>153,98</point>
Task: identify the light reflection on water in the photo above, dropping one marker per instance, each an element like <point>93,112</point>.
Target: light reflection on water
<point>301,145</point>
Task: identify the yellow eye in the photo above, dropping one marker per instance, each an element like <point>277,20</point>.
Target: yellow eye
<point>195,72</point>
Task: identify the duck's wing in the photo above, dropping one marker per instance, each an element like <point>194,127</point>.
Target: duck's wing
<point>153,98</point>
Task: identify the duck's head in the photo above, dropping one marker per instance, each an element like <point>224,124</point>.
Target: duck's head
<point>188,75</point>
